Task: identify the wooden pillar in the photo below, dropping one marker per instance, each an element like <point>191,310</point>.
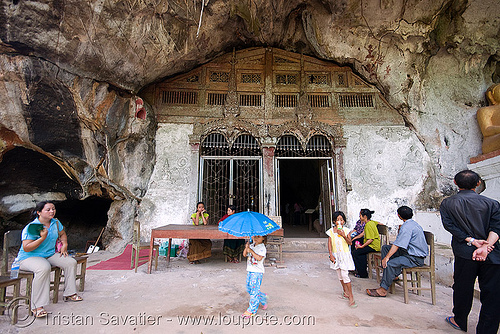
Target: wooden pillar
<point>269,181</point>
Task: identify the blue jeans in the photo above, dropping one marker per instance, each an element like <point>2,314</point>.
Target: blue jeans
<point>254,280</point>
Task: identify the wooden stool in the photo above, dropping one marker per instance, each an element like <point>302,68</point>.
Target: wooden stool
<point>6,281</point>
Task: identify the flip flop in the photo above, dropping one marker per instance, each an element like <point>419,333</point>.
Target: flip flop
<point>73,298</point>
<point>373,293</point>
<point>354,305</point>
<point>39,313</point>
<point>448,320</point>
<point>343,296</point>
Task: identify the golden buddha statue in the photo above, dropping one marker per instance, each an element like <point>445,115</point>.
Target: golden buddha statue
<point>489,120</point>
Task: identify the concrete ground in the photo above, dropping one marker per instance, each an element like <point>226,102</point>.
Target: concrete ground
<point>304,298</point>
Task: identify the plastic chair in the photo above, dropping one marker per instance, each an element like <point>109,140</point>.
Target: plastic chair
<point>374,259</point>
<point>415,274</point>
<point>137,245</point>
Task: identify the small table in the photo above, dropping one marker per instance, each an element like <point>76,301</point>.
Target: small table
<point>190,232</point>
<point>310,212</point>
<point>6,281</point>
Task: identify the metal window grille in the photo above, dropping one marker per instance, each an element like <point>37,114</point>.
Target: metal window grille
<point>179,97</point>
<point>219,76</point>
<point>287,79</point>
<point>215,144</point>
<point>285,101</point>
<point>318,146</point>
<point>245,145</point>
<point>253,78</point>
<point>230,181</point>
<point>216,99</point>
<point>318,79</point>
<point>356,100</point>
<point>250,100</point>
<point>288,146</point>
<point>216,187</point>
<point>319,101</point>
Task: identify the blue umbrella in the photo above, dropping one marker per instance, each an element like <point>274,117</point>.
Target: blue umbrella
<point>248,224</point>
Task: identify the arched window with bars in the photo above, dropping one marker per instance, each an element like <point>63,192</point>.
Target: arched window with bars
<point>318,146</point>
<point>215,144</point>
<point>288,146</point>
<point>230,174</point>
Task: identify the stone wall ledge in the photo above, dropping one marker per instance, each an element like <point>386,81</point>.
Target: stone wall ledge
<point>486,156</point>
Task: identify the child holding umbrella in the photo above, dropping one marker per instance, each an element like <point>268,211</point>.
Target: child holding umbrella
<point>255,254</point>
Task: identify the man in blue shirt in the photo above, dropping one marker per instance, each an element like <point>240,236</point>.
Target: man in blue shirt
<point>408,250</point>
<point>474,222</point>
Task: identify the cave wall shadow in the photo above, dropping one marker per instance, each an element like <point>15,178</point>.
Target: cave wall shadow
<point>24,171</point>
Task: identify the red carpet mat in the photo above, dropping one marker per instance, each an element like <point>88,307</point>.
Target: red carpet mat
<point>120,262</point>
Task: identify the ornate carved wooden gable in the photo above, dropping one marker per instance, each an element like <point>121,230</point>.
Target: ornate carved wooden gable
<point>271,85</point>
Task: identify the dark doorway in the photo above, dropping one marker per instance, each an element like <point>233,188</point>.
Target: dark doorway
<point>299,187</point>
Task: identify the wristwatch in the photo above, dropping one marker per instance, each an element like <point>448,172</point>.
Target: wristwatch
<point>469,243</point>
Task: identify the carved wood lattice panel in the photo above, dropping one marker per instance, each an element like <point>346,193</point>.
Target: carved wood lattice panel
<point>356,100</point>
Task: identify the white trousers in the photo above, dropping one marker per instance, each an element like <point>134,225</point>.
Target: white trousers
<point>343,275</point>
<point>40,266</point>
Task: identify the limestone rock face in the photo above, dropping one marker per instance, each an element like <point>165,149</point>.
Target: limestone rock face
<point>64,137</point>
<point>70,72</point>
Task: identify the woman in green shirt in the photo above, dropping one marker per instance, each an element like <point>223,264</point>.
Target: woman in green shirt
<point>371,243</point>
<point>199,248</point>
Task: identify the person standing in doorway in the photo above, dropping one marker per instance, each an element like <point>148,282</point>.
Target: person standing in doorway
<point>474,222</point>
<point>297,212</point>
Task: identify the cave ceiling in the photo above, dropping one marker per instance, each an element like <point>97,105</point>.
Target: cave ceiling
<point>132,43</point>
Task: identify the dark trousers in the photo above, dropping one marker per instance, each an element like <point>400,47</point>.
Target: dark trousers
<point>359,257</point>
<point>464,278</point>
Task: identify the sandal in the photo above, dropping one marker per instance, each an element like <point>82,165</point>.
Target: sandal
<point>264,307</point>
<point>73,298</point>
<point>373,293</point>
<point>39,312</point>
<point>451,323</point>
<point>247,315</point>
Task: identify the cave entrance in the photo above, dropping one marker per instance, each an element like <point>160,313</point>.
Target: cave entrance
<point>29,177</point>
<point>83,220</point>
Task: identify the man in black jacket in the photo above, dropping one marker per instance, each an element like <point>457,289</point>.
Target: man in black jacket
<point>474,222</point>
